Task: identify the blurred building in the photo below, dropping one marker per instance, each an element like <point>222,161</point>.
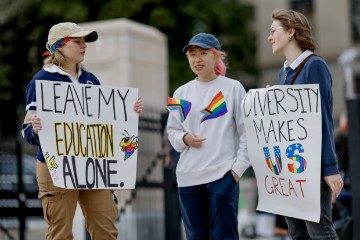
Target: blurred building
<point>335,25</point>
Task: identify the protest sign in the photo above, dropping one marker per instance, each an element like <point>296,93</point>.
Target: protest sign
<point>283,128</point>
<point>89,134</point>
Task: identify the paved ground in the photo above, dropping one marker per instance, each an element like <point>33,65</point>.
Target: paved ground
<point>37,230</point>
<point>129,229</point>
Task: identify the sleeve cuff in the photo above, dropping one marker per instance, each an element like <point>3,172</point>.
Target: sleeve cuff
<point>183,138</point>
<point>240,167</point>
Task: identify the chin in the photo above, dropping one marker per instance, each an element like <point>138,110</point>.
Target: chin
<point>275,52</point>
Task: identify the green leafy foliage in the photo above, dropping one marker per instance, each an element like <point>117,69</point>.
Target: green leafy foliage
<point>24,25</point>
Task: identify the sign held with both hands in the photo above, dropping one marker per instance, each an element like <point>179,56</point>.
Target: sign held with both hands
<point>89,134</point>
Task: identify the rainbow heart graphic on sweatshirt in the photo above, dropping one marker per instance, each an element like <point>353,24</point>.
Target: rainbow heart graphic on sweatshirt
<point>216,108</point>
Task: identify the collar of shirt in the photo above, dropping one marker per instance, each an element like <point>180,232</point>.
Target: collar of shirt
<point>298,60</point>
<point>55,69</point>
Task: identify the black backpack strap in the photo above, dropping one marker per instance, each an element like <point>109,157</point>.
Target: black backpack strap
<point>300,67</point>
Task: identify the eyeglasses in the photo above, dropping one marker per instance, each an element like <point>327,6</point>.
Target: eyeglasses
<point>273,30</point>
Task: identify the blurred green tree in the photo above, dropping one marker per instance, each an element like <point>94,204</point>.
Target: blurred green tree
<point>24,26</point>
<point>229,20</point>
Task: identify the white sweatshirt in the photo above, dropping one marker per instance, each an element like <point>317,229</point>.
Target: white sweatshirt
<point>225,145</point>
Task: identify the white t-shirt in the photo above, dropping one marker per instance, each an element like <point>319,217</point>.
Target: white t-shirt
<point>214,114</point>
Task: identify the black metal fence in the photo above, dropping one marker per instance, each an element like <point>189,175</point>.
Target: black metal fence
<point>18,188</point>
<point>153,185</point>
<point>153,202</point>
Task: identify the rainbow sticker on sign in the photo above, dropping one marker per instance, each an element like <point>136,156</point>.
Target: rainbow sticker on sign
<point>129,144</point>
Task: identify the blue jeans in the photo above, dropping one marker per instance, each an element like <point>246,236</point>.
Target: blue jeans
<point>303,230</point>
<point>211,209</point>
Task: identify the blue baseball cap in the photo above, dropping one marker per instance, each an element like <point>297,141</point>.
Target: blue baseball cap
<point>203,40</point>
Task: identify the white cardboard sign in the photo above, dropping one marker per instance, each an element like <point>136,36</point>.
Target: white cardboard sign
<point>283,128</point>
<point>89,134</point>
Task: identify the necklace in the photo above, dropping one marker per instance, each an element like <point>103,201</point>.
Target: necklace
<point>75,75</point>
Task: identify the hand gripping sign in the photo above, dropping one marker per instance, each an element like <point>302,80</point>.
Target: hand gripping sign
<point>89,134</point>
<point>283,129</point>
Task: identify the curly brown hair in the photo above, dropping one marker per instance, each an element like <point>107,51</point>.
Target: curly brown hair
<point>297,21</point>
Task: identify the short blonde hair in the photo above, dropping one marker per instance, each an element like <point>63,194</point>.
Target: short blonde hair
<point>56,58</point>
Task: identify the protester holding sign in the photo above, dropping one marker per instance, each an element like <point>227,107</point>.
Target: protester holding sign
<point>66,50</point>
<point>206,125</point>
<point>290,35</point>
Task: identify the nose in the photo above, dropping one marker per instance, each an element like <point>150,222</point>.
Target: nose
<point>269,38</point>
<point>197,58</point>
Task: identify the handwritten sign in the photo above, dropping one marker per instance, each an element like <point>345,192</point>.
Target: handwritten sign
<point>89,134</point>
<point>283,128</point>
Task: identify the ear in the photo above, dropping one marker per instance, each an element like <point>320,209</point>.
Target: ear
<point>217,56</point>
<point>291,32</point>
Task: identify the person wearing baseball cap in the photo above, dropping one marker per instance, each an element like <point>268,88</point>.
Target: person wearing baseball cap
<point>66,47</point>
<point>67,29</point>
<point>203,40</point>
<point>206,126</point>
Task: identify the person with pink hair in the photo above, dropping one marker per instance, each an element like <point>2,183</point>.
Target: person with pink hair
<point>206,126</point>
